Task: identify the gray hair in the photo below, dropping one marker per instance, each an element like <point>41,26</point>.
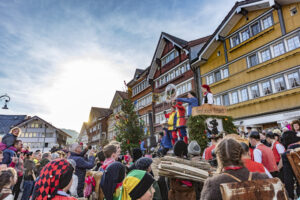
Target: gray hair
<point>54,156</point>
<point>73,147</point>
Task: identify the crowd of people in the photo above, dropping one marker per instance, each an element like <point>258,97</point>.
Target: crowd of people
<point>123,175</point>
<point>61,174</point>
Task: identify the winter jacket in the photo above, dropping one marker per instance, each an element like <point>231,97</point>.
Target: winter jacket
<point>29,168</point>
<point>211,189</point>
<point>43,162</point>
<point>8,154</point>
<point>9,139</point>
<point>81,166</point>
<point>179,191</point>
<point>193,102</point>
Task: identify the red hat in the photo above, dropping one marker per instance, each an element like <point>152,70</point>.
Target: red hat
<point>206,87</point>
<point>81,144</point>
<point>179,103</point>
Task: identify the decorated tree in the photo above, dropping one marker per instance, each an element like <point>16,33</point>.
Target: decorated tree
<point>198,128</point>
<point>130,129</point>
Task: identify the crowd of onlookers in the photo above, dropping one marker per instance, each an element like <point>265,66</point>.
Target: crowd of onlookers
<point>62,174</point>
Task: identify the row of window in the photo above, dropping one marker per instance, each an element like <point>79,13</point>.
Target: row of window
<point>30,135</point>
<point>144,119</point>
<point>181,89</point>
<point>274,50</point>
<point>140,87</point>
<point>181,69</point>
<point>145,101</point>
<point>217,75</point>
<point>273,85</point>
<point>171,56</point>
<point>35,125</point>
<point>38,145</point>
<point>251,30</point>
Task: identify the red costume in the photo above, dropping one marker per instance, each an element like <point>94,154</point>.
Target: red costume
<point>181,121</point>
<point>253,166</point>
<point>268,159</point>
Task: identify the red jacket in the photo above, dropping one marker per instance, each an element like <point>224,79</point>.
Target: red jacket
<point>208,151</point>
<point>268,159</point>
<point>253,166</point>
<point>58,197</point>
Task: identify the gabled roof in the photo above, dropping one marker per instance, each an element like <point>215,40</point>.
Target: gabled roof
<point>122,95</point>
<point>198,41</point>
<point>141,74</point>
<point>99,112</point>
<point>40,119</point>
<point>231,19</point>
<point>180,43</point>
<point>9,121</point>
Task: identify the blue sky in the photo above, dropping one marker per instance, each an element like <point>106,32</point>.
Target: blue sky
<point>60,57</point>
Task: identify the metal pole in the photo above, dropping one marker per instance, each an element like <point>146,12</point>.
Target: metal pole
<point>44,137</point>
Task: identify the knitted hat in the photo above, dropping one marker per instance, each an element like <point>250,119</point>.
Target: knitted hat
<point>143,163</point>
<point>135,185</point>
<point>180,148</point>
<point>194,148</point>
<point>55,175</point>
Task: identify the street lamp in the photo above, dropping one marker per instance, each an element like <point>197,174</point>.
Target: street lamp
<point>7,99</point>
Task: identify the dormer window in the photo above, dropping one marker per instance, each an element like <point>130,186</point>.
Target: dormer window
<point>169,57</point>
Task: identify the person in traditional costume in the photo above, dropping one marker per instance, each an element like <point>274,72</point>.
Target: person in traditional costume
<point>172,120</point>
<point>230,168</point>
<point>111,181</point>
<point>54,181</point>
<point>181,122</point>
<point>207,95</point>
<point>191,99</point>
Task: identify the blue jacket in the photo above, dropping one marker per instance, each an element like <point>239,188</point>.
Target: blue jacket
<point>7,155</point>
<point>193,102</point>
<point>166,141</point>
<point>142,146</point>
<point>81,166</point>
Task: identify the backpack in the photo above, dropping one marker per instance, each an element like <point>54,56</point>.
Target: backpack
<point>262,189</point>
<point>2,146</point>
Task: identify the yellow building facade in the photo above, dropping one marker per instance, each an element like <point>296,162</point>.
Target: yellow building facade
<point>252,63</point>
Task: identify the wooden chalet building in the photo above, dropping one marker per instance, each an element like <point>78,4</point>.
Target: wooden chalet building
<point>171,65</point>
<point>97,126</point>
<point>141,96</point>
<point>115,108</point>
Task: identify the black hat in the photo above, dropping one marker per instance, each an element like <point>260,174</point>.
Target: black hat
<point>270,135</point>
<point>143,163</point>
<point>136,154</point>
<point>161,133</point>
<point>289,137</point>
<point>255,135</point>
<point>180,148</point>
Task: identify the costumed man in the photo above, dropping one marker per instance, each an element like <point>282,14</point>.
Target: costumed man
<point>191,100</point>
<point>166,141</point>
<point>207,95</point>
<point>181,122</point>
<point>172,119</point>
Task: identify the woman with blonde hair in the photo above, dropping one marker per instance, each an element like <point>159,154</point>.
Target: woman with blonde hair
<point>230,168</point>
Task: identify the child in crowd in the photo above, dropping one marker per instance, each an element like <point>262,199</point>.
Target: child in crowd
<point>9,139</point>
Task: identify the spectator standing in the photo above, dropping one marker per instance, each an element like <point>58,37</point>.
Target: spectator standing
<point>110,153</point>
<point>46,158</point>
<point>111,181</point>
<point>229,155</point>
<point>8,178</point>
<point>56,187</point>
<point>263,154</point>
<point>296,126</point>
<point>142,146</point>
<point>81,165</point>
<point>29,176</point>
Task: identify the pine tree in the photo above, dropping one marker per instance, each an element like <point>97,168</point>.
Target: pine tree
<point>129,128</point>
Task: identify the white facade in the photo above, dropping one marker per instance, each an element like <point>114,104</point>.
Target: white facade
<point>40,135</point>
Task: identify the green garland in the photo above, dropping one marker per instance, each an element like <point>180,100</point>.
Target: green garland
<point>197,128</point>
